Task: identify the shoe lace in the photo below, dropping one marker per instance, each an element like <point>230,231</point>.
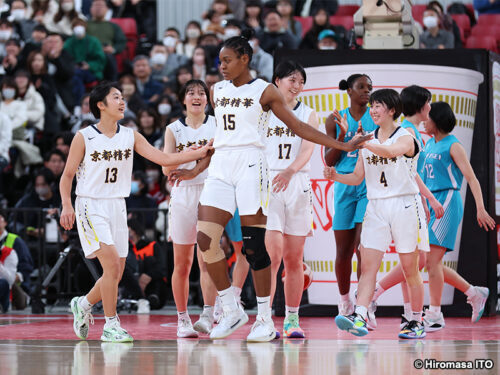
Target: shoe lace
<point>412,325</point>
<point>184,323</point>
<point>87,317</point>
<point>293,320</point>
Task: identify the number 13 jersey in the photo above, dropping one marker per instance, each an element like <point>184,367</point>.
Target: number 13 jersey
<point>106,168</point>
<point>389,177</point>
<point>241,120</point>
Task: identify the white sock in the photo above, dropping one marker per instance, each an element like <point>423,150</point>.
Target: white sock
<point>435,309</point>
<point>264,307</point>
<point>416,315</point>
<point>227,299</point>
<point>110,320</point>
<point>471,292</point>
<point>345,297</point>
<point>362,310</point>
<point>378,291</point>
<point>85,304</point>
<point>207,309</point>
<point>291,310</point>
<point>236,291</point>
<point>182,315</point>
<point>407,307</point>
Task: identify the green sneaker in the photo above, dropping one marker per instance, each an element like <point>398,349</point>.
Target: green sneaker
<point>291,328</point>
<point>353,323</point>
<point>81,319</point>
<point>115,333</point>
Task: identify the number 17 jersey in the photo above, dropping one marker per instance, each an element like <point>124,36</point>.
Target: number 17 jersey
<point>106,168</point>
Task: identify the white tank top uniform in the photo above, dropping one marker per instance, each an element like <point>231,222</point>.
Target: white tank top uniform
<point>103,181</point>
<point>393,198</point>
<point>290,211</point>
<point>238,173</point>
<point>183,210</point>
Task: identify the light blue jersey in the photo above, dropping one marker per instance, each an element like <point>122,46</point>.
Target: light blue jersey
<point>347,160</point>
<point>440,171</point>
<point>409,125</point>
<point>350,201</point>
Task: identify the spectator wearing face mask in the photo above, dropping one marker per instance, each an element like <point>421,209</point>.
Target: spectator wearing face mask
<point>200,63</point>
<point>62,21</point>
<point>6,32</point>
<point>435,37</point>
<point>165,108</point>
<point>18,16</point>
<point>35,105</point>
<point>133,100</point>
<point>14,108</point>
<point>139,199</point>
<point>192,34</point>
<point>328,40</point>
<point>171,40</point>
<point>165,64</point>
<point>262,62</point>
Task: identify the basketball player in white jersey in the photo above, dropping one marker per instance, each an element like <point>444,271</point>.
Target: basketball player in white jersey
<point>289,220</point>
<point>237,177</point>
<point>388,165</point>
<point>101,157</point>
<point>197,129</point>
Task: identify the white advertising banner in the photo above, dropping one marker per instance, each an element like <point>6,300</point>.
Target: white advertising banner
<point>456,86</point>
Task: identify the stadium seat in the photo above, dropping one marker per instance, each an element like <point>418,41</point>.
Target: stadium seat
<point>486,42</point>
<point>418,12</point>
<point>487,30</point>
<point>345,21</point>
<point>346,10</point>
<point>306,23</point>
<point>129,28</point>
<point>489,19</point>
<point>463,22</point>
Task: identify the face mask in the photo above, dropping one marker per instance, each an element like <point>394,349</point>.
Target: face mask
<point>79,31</point>
<point>169,42</point>
<point>158,59</point>
<point>252,44</point>
<point>164,109</point>
<point>5,34</point>
<point>51,69</point>
<point>192,33</point>
<point>42,191</point>
<point>230,33</point>
<point>18,14</point>
<point>134,187</point>
<point>326,47</point>
<point>8,93</point>
<point>67,7</point>
<point>430,22</point>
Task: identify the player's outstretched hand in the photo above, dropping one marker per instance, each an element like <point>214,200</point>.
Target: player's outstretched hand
<point>67,218</point>
<point>329,173</point>
<point>437,207</point>
<point>484,220</point>
<point>341,121</point>
<point>281,181</point>
<point>178,175</point>
<point>358,141</point>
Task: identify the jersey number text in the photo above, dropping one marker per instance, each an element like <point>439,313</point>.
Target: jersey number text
<point>284,150</point>
<point>229,123</point>
<point>111,175</point>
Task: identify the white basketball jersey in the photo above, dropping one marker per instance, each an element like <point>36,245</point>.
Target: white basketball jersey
<point>282,144</point>
<point>186,136</point>
<point>389,177</point>
<point>241,121</point>
<point>106,168</point>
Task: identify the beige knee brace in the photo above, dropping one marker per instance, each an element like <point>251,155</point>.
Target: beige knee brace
<point>208,239</point>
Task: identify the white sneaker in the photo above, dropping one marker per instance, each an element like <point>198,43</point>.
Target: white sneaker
<point>371,322</point>
<point>346,308</point>
<point>143,306</point>
<point>229,322</point>
<point>477,302</point>
<point>114,352</point>
<point>218,311</point>
<point>81,319</point>
<point>432,321</point>
<point>262,330</point>
<point>204,324</point>
<point>185,329</point>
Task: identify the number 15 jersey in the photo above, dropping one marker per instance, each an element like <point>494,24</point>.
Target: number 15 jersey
<point>106,168</point>
<point>241,120</point>
<point>389,177</point>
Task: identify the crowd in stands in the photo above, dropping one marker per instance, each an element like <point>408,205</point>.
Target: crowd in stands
<point>52,53</point>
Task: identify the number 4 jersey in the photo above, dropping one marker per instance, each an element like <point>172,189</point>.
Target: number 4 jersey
<point>106,168</point>
<point>389,177</point>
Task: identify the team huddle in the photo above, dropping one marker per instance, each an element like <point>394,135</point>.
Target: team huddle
<point>253,178</point>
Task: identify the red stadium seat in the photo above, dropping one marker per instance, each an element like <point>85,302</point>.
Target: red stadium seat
<point>129,28</point>
<point>486,42</point>
<point>346,10</point>
<point>489,19</point>
<point>463,22</point>
<point>418,12</point>
<point>306,23</point>
<point>487,30</point>
<point>345,21</point>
